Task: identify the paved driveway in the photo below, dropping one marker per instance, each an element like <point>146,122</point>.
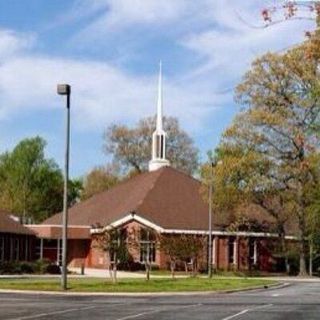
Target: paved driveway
<point>296,301</point>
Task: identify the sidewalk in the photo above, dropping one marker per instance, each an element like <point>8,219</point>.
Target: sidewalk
<point>103,273</point>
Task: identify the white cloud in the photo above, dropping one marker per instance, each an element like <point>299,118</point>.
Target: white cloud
<point>12,42</point>
<point>229,46</point>
<point>101,94</point>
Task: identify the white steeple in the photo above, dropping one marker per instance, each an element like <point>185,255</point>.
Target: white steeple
<point>159,136</point>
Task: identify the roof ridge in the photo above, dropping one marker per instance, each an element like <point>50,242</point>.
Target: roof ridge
<point>159,173</point>
<point>184,174</point>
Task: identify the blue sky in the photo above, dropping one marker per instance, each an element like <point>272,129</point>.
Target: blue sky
<point>109,50</point>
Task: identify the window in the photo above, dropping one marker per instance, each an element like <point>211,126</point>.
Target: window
<point>160,144</point>
<point>231,247</point>
<point>147,252</point>
<point>119,243</point>
<point>1,248</point>
<point>147,246</point>
<point>59,252</point>
<point>16,249</point>
<point>26,254</point>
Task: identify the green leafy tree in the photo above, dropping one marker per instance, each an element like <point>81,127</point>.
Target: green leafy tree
<point>131,147</point>
<point>31,185</point>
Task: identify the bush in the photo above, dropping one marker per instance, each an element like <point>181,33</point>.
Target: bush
<point>24,267</point>
<point>10,267</point>
<point>53,269</point>
<point>27,267</point>
<point>41,266</point>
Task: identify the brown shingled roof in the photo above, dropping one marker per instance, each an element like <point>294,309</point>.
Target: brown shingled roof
<point>166,197</point>
<point>8,225</point>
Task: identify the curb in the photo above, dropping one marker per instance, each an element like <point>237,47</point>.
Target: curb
<point>141,294</point>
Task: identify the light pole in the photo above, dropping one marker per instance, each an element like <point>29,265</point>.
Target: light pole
<point>65,90</point>
<point>210,222</point>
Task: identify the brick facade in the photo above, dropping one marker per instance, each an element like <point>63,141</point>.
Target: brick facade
<point>86,252</point>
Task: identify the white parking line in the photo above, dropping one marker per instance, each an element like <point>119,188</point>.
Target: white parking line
<point>245,311</point>
<point>41,315</point>
<point>137,315</point>
<point>236,315</point>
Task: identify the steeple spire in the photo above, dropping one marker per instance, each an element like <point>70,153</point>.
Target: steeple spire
<point>159,136</point>
<point>159,105</point>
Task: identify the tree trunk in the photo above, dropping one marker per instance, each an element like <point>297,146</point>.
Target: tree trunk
<point>194,267</point>
<point>147,265</point>
<point>310,258</point>
<point>114,278</point>
<point>302,251</point>
<point>186,267</point>
<point>172,268</point>
<point>284,249</point>
<point>302,238</point>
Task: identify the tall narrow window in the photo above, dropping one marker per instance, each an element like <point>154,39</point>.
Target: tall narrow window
<point>2,248</point>
<point>16,253</point>
<point>161,146</point>
<point>26,253</point>
<point>231,255</point>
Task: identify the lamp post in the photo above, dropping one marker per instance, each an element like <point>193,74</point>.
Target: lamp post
<point>65,90</point>
<point>210,222</point>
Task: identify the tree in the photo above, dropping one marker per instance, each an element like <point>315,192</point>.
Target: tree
<point>247,187</point>
<point>183,248</point>
<point>278,131</point>
<point>75,190</point>
<point>99,179</point>
<point>290,10</point>
<point>114,242</point>
<point>131,147</point>
<point>30,184</point>
<point>147,241</point>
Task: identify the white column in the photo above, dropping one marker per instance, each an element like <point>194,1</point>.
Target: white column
<point>235,252</point>
<point>41,248</point>
<point>255,252</point>
<point>214,252</point>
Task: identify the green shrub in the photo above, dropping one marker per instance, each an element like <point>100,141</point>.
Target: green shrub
<point>27,267</point>
<point>24,267</point>
<point>41,265</point>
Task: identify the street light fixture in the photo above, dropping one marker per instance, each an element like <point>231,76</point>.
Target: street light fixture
<point>65,90</point>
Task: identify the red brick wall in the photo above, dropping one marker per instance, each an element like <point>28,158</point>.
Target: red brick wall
<point>78,252</point>
<point>85,252</point>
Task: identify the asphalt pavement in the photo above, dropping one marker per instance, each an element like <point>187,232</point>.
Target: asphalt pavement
<point>299,300</point>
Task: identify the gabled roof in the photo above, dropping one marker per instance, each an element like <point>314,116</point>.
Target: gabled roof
<point>165,197</point>
<point>8,225</point>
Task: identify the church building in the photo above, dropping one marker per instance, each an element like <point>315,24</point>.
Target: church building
<point>163,200</point>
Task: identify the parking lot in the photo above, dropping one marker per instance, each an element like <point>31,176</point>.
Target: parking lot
<point>294,301</point>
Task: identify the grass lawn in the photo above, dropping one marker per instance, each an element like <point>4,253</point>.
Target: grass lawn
<point>132,285</point>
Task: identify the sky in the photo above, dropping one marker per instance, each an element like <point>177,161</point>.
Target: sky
<point>109,52</point>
